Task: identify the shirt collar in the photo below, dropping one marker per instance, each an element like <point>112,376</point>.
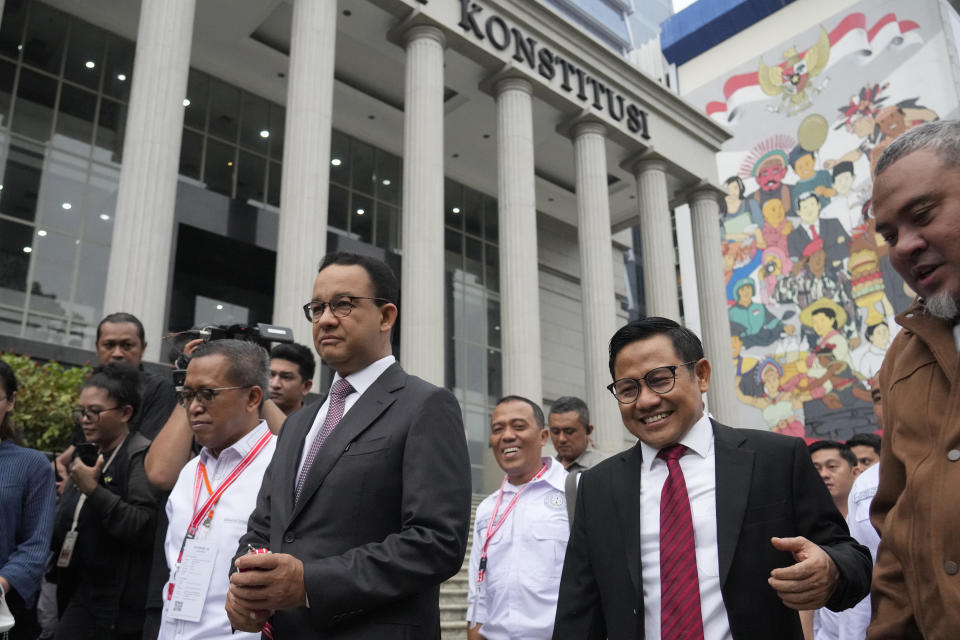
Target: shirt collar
<point>555,476</point>
<point>698,440</point>
<point>363,379</point>
<point>238,449</point>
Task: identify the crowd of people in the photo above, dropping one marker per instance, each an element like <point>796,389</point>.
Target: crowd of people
<point>227,506</point>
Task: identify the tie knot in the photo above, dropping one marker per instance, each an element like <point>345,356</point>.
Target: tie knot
<point>673,452</point>
<point>341,388</point>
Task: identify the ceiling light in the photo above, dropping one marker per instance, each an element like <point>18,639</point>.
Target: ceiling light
<point>230,163</point>
<point>122,77</point>
<point>264,133</point>
<point>385,183</point>
<point>66,206</point>
<point>42,232</point>
<point>90,64</point>
<point>27,249</point>
<point>186,102</point>
<point>335,162</point>
<point>456,209</point>
<point>104,216</point>
<point>360,212</point>
<point>219,307</point>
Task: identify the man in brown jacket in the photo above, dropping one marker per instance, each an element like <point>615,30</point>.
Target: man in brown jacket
<point>916,582</point>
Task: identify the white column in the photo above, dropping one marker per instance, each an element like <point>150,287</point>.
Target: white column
<point>519,281</point>
<point>596,280</point>
<point>139,268</point>
<point>422,334</point>
<point>656,241</point>
<point>305,186</point>
<point>714,320</point>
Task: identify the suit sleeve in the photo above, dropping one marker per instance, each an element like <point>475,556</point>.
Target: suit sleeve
<point>258,524</point>
<point>435,516</point>
<point>133,518</point>
<point>819,521</point>
<point>579,613</point>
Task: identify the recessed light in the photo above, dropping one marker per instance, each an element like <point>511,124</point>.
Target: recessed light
<point>335,162</point>
<point>219,307</point>
<point>230,163</point>
<point>385,183</point>
<point>456,209</point>
<point>360,212</point>
<point>90,64</point>
<point>42,232</point>
<point>104,217</point>
<point>264,133</point>
<point>19,47</point>
<point>186,102</point>
<point>66,206</point>
<point>122,77</point>
<point>27,249</point>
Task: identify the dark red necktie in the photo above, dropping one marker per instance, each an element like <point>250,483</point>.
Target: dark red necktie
<point>680,617</point>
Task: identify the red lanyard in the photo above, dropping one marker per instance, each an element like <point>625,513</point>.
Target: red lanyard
<point>495,524</point>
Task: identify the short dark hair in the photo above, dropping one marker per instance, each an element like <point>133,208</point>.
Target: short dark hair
<point>844,450</point>
<point>865,440</point>
<point>249,362</point>
<point>121,382</point>
<point>117,318</point>
<point>868,332</point>
<point>566,404</point>
<point>299,355</point>
<point>806,195</point>
<point>685,342</point>
<point>798,152</point>
<point>827,311</point>
<point>8,380</point>
<point>537,411</point>
<point>843,167</point>
<point>739,181</point>
<point>385,284</point>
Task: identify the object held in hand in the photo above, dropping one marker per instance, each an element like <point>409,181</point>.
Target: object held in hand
<point>267,630</point>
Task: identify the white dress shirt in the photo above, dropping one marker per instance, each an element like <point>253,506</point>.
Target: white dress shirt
<point>360,381</point>
<point>518,595</point>
<point>229,523</point>
<point>699,474</point>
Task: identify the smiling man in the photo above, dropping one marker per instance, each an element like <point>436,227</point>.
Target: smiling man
<point>521,532</point>
<point>916,202</point>
<point>700,530</point>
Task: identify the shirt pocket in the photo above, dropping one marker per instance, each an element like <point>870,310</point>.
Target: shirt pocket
<point>550,540</point>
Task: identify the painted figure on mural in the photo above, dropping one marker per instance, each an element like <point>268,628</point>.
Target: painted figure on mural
<point>792,78</point>
<point>777,394</point>
<point>752,321</point>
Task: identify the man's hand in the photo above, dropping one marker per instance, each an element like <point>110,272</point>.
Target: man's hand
<point>60,464</point>
<point>242,619</point>
<point>86,477</point>
<point>268,581</point>
<point>809,583</point>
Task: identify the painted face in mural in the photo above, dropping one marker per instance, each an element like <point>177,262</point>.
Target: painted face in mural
<point>744,295</point>
<point>818,263</point>
<point>771,174</point>
<point>773,212</point>
<point>843,183</point>
<point>864,126</point>
<point>916,202</point>
<point>771,380</point>
<point>809,210</point>
<point>892,122</point>
<point>822,324</point>
<point>880,337</point>
<point>804,167</point>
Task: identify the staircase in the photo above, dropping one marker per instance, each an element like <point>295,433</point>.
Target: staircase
<point>453,592</point>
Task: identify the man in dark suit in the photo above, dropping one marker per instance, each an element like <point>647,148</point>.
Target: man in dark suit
<point>700,530</point>
<point>829,233</point>
<point>367,514</point>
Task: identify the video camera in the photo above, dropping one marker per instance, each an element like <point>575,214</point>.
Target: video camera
<point>260,333</point>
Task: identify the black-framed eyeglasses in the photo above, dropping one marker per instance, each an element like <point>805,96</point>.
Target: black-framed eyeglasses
<point>341,306</point>
<point>90,413</point>
<point>660,380</point>
<point>204,395</point>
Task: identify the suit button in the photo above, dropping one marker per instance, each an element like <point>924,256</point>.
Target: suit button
<point>288,537</point>
<point>950,567</point>
<point>953,455</point>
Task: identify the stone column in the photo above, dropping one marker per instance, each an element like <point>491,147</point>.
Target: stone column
<point>714,320</point>
<point>139,269</point>
<point>656,241</point>
<point>422,334</point>
<point>305,185</point>
<point>519,281</point>
<point>596,280</point>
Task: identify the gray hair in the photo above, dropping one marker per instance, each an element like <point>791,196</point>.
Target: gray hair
<point>249,362</point>
<point>572,403</point>
<point>942,137</point>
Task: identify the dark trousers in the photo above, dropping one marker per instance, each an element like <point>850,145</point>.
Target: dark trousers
<point>91,614</point>
<point>26,627</point>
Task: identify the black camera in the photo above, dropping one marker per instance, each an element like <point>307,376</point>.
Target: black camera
<point>260,333</point>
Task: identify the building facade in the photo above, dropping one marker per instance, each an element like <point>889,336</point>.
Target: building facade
<point>192,162</point>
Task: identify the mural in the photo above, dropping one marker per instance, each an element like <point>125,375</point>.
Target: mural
<point>811,298</point>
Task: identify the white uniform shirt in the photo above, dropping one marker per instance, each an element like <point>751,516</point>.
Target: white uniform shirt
<point>854,621</point>
<point>518,595</point>
<point>229,523</point>
<point>699,474</point>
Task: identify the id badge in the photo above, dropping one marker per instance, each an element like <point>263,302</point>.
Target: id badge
<point>66,551</point>
<point>192,580</point>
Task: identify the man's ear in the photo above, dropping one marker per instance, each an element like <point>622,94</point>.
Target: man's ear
<point>388,316</point>
<point>589,429</point>
<point>307,385</point>
<point>255,397</point>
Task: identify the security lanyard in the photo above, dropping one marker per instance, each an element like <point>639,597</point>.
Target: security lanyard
<point>495,524</point>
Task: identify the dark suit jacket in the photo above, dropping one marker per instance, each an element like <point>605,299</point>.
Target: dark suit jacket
<point>765,486</point>
<point>836,242</point>
<point>383,517</point>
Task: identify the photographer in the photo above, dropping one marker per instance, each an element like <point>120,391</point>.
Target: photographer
<point>104,523</point>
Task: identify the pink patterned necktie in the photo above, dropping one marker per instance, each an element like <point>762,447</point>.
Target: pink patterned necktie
<point>680,616</point>
<point>338,397</point>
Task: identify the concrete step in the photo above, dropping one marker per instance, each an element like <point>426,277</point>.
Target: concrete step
<point>453,630</point>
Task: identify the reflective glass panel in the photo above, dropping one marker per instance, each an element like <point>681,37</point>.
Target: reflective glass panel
<point>110,123</point>
<point>36,96</point>
<point>198,93</point>
<point>75,118</point>
<point>361,218</point>
<point>255,121</point>
<point>21,181</point>
<point>224,110</point>
<point>86,55</point>
<point>251,177</point>
<point>46,35</point>
<point>118,71</point>
<point>191,154</point>
<point>218,172</point>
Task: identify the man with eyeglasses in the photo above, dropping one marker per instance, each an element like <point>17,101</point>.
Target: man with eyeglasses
<point>700,530</point>
<point>366,505</point>
<point>212,499</point>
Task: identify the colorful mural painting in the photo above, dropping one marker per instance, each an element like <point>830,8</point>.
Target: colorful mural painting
<point>810,295</point>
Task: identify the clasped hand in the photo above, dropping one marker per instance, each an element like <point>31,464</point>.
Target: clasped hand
<point>264,584</point>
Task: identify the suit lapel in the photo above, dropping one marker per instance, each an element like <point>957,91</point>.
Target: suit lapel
<point>734,472</point>
<point>627,499</point>
<point>367,408</point>
<point>296,429</point>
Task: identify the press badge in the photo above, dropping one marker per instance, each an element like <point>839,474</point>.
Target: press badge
<point>192,580</point>
<point>66,551</point>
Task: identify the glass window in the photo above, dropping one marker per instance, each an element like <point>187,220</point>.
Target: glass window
<point>452,204</point>
<point>273,184</point>
<point>46,329</point>
<point>14,261</point>
<point>492,274</point>
<point>62,201</point>
<point>110,124</point>
<point>224,110</point>
<point>11,29</point>
<point>53,269</point>
<point>91,286</point>
<point>473,203</point>
<point>452,242</point>
<point>473,264</point>
<point>339,158</point>
<point>7,72</point>
<point>361,218</point>
<point>75,118</point>
<point>493,323</point>
<point>251,177</point>
<point>118,70</point>
<point>255,123</point>
<point>191,154</point>
<point>494,375</point>
<point>46,36</point>
<point>101,204</point>
<point>277,124</point>
<point>388,227</point>
<point>339,200</point>
<point>388,177</point>
<point>86,55</point>
<point>198,91</point>
<point>363,167</point>
<point>218,171</point>
<point>33,111</point>
<point>491,220</point>
<point>21,181</point>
